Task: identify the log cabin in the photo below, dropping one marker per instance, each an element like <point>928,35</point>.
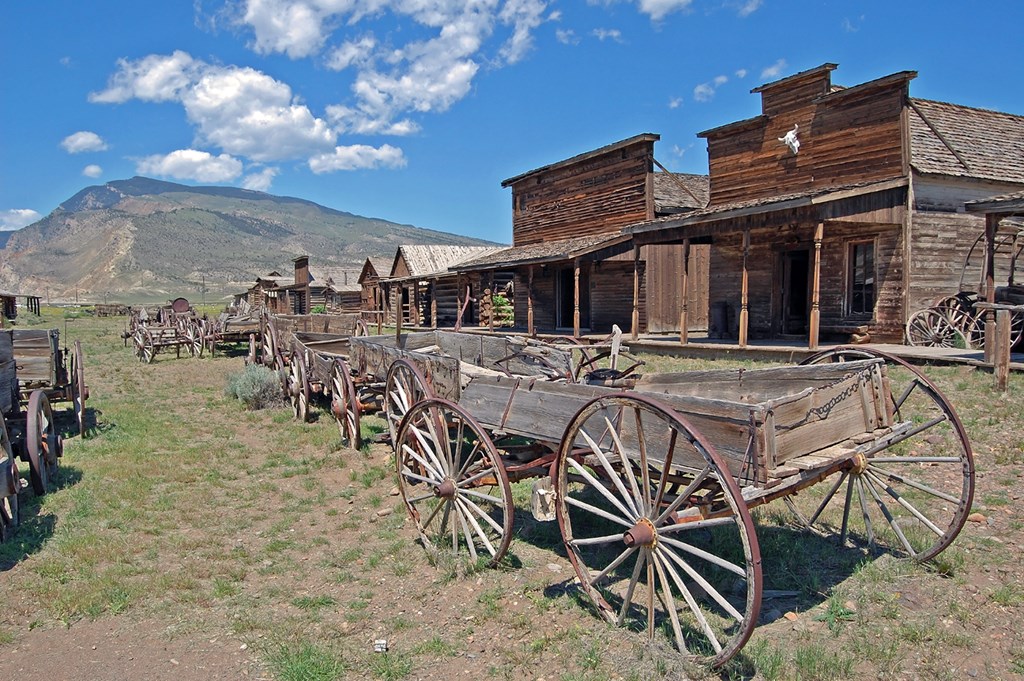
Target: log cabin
<point>852,226</point>
<point>422,289</point>
<point>570,263</point>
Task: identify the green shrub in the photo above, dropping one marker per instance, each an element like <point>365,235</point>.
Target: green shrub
<point>256,386</point>
<point>504,313</point>
<point>318,309</point>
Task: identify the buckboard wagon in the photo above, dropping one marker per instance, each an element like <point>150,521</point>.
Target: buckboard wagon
<point>33,371</point>
<point>653,486</point>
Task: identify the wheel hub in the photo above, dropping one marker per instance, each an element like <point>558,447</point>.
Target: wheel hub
<point>446,490</point>
<point>641,534</point>
<point>859,464</point>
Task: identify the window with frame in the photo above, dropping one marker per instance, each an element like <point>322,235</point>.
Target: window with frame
<point>861,290</point>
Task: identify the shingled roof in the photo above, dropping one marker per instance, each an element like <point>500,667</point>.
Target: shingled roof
<point>950,139</point>
<point>547,251</point>
<point>433,259</point>
<point>680,192</point>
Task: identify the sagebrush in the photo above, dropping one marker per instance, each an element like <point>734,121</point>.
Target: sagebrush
<point>256,386</point>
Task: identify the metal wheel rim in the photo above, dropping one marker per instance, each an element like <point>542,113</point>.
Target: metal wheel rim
<point>713,617</point>
<point>931,327</point>
<point>42,441</point>
<point>9,507</point>
<point>444,459</point>
<point>298,387</point>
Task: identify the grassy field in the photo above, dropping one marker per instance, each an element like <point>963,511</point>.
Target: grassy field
<point>183,508</point>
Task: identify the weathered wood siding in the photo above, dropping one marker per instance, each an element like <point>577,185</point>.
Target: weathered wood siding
<point>940,244</point>
<point>845,138</point>
<point>611,297</point>
<point>600,194</point>
<point>664,287</point>
<point>764,281</point>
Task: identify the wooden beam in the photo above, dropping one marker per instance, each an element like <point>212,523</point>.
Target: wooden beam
<point>490,303</point>
<point>576,298</point>
<point>1002,359</point>
<point>744,302</point>
<point>684,295</point>
<point>433,303</point>
<point>635,333</point>
<point>812,340</point>
<point>991,227</point>
<point>529,301</point>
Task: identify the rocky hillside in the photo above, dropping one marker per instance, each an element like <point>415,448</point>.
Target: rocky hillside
<point>143,239</point>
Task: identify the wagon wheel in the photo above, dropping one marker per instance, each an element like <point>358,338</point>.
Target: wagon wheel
<point>194,337</point>
<point>684,564</point>
<point>453,484</point>
<point>10,485</point>
<point>345,404</point>
<point>932,327</point>
<point>298,386</point>
<point>79,391</point>
<point>404,387</point>
<point>586,359</point>
<point>145,347</point>
<point>360,329</point>
<point>42,442</point>
<point>911,490</point>
<point>270,348</point>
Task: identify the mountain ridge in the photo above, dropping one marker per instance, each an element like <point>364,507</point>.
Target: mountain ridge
<point>143,239</point>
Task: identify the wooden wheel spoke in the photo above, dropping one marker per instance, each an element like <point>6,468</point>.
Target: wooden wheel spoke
<point>710,590</point>
<point>426,444</point>
<point>901,500</point>
<point>683,496</point>
<point>446,507</point>
<point>468,513</point>
<point>606,464</point>
<point>669,601</point>
<point>696,525</point>
<point>670,450</point>
<point>626,467</point>
<point>887,514</point>
<point>709,557</point>
<point>437,472</point>
<point>407,473</point>
<point>598,512</point>
<point>627,598</point>
<point>470,544</point>
<point>910,482</point>
<point>645,471</point>
<point>864,508</point>
<point>828,497</point>
<point>591,541</point>
<point>692,602</point>
<point>585,474</point>
<point>483,514</point>
<point>480,495</point>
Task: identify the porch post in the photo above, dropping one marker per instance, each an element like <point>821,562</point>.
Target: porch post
<point>576,298</point>
<point>744,312</point>
<point>684,294</point>
<point>414,304</point>
<point>399,311</point>
<point>812,340</point>
<point>991,226</point>
<point>433,303</point>
<point>529,301</point>
<point>458,301</point>
<point>636,292</point>
<point>490,304</point>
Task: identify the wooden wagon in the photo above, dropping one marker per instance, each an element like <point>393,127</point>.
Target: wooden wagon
<point>653,486</point>
<point>32,371</point>
<point>175,326</point>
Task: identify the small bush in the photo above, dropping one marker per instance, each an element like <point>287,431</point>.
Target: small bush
<point>318,309</point>
<point>256,386</point>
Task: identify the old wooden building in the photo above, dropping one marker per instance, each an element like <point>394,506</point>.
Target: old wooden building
<point>840,210</point>
<point>570,262</point>
<point>422,289</point>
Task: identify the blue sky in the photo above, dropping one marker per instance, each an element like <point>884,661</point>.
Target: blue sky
<point>416,110</point>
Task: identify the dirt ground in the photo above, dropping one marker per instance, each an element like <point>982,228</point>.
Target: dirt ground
<point>312,551</point>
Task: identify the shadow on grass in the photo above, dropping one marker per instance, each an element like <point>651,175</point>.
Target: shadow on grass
<point>35,528</point>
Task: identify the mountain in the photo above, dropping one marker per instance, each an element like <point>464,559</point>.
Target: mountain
<point>145,240</point>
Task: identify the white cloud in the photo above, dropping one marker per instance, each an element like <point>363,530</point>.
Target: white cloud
<point>850,27</point>
<point>260,181</point>
<point>603,34</point>
<point>523,16</point>
<point>92,170</point>
<point>741,73</point>
<point>659,9</point>
<point>678,151</point>
<point>156,78</point>
<point>774,70</point>
<point>567,36</point>
<point>83,140</point>
<point>749,7</point>
<point>720,80</point>
<point>16,218</point>
<point>294,28</point>
<point>704,92</point>
<point>191,164</point>
<point>675,102</point>
<point>351,52</point>
<point>357,156</point>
